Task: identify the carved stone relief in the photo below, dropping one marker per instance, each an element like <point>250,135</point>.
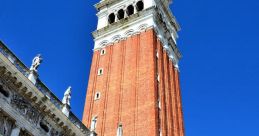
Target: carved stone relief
<point>53,132</point>
<point>25,109</point>
<point>6,125</point>
<point>24,133</point>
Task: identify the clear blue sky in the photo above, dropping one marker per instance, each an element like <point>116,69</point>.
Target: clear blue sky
<point>219,41</point>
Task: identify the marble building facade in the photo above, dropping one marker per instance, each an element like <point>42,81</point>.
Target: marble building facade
<point>28,107</point>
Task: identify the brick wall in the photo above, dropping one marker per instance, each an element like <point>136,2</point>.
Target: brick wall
<point>130,90</point>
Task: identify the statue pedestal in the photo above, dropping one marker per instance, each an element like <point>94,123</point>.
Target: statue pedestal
<point>66,110</point>
<point>33,76</point>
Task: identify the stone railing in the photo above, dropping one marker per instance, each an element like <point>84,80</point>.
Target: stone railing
<point>39,85</point>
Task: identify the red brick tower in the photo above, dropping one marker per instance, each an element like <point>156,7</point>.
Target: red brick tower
<point>134,86</point>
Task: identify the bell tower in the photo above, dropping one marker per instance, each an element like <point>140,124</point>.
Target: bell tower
<point>133,87</point>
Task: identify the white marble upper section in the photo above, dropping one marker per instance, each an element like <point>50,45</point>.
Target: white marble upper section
<point>123,4</point>
<point>115,23</point>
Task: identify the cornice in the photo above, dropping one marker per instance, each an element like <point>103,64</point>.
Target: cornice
<point>103,3</point>
<point>168,15</point>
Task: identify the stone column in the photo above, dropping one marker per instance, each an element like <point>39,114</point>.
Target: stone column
<point>135,8</point>
<point>125,13</point>
<point>16,131</point>
<point>116,16</point>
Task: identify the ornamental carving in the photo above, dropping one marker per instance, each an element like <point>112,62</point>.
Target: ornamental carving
<point>6,125</point>
<point>53,132</point>
<point>24,133</point>
<point>25,109</point>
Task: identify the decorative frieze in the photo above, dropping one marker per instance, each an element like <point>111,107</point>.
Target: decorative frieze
<point>30,113</point>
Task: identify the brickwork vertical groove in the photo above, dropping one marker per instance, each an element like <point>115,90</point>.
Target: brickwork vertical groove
<point>93,90</point>
<point>136,88</point>
<point>163,102</point>
<point>166,92</point>
<point>176,102</point>
<point>122,80</point>
<point>86,113</point>
<point>156,84</point>
<point>112,112</point>
<point>107,90</point>
<point>174,111</point>
<point>169,98</point>
<point>179,104</point>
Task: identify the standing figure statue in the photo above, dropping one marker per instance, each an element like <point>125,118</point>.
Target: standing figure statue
<point>67,96</point>
<point>36,63</point>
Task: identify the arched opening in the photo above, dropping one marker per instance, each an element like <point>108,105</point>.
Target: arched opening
<point>100,71</point>
<point>93,123</point>
<point>103,51</point>
<point>44,127</point>
<point>2,91</point>
<point>120,130</point>
<point>130,10</point>
<point>97,96</point>
<point>140,6</point>
<point>111,18</point>
<point>120,14</point>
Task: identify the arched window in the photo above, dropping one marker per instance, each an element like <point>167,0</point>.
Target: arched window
<point>103,51</point>
<point>111,18</point>
<point>140,6</point>
<point>100,71</point>
<point>93,123</point>
<point>120,130</point>
<point>130,10</point>
<point>120,14</point>
<point>97,96</point>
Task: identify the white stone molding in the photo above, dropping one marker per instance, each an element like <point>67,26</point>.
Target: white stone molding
<point>129,33</point>
<point>142,27</point>
<point>116,38</point>
<point>103,43</point>
<point>124,31</point>
<point>156,14</point>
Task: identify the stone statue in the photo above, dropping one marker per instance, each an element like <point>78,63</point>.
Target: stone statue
<point>67,96</point>
<point>36,63</point>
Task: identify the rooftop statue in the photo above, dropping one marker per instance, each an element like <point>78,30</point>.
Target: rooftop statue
<point>36,63</point>
<point>67,96</point>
